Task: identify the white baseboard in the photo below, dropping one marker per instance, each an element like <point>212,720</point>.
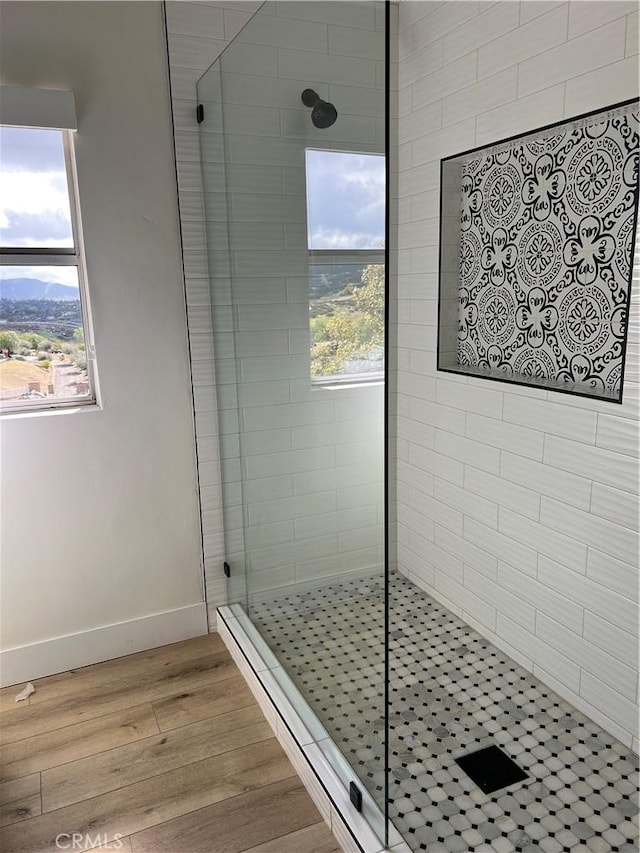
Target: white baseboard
<point>24,663</point>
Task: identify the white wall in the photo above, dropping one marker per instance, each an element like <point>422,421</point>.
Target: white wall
<point>517,507</point>
<point>100,513</point>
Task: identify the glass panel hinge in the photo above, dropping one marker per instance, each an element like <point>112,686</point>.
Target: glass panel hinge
<point>355,795</point>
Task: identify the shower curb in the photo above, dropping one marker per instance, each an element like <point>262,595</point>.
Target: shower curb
<point>257,663</point>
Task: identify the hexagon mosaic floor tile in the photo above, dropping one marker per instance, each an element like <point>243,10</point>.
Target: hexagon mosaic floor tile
<point>451,693</point>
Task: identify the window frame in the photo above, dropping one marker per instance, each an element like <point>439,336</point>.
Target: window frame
<point>346,256</point>
<point>68,256</point>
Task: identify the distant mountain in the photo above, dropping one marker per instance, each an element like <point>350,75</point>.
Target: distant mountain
<point>33,288</point>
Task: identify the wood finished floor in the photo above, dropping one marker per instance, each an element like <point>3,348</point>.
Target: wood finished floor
<point>164,751</point>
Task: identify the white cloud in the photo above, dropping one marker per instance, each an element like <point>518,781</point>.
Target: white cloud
<point>43,194</point>
<point>325,238</point>
<point>345,196</point>
<point>371,180</point>
<point>371,196</point>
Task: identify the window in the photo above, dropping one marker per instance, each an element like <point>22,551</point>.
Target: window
<point>345,238</point>
<point>45,350</point>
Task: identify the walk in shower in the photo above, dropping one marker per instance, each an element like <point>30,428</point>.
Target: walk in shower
<point>296,135</point>
<point>294,144</point>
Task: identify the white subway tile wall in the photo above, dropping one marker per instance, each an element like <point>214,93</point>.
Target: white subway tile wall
<point>310,476</point>
<point>535,520</point>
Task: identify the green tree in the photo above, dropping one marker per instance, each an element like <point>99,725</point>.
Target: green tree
<point>9,340</point>
<point>32,340</point>
<point>370,299</point>
<point>353,332</point>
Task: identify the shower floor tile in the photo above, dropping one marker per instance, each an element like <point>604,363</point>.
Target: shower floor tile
<point>452,692</point>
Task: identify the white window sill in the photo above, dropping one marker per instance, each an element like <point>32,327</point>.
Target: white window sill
<point>340,383</point>
<point>67,408</point>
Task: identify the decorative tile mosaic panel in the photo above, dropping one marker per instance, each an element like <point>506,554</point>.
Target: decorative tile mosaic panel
<point>547,233</point>
<point>452,692</point>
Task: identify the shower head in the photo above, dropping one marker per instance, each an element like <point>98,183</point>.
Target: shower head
<point>323,114</point>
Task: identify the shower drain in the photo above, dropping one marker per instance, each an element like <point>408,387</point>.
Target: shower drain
<point>491,769</point>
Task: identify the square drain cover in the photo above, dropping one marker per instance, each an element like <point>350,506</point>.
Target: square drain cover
<point>491,769</point>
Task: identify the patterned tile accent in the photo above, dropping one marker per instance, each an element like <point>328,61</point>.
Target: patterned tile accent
<point>452,692</point>
<point>545,254</point>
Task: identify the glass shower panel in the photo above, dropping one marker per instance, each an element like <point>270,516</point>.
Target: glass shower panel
<point>229,500</point>
<point>293,149</point>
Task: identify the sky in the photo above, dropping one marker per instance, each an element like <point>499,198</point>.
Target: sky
<point>34,199</point>
<point>345,200</point>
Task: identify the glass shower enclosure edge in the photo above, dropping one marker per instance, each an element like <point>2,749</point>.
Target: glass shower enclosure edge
<point>226,365</point>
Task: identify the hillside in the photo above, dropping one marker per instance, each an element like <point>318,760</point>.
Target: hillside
<point>33,288</point>
<point>18,374</point>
